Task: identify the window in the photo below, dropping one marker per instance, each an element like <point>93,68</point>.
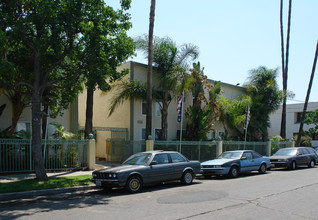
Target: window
<point>248,155</point>
<point>298,116</point>
<point>24,126</point>
<point>221,134</point>
<point>176,158</point>
<point>213,134</point>
<point>161,158</point>
<point>158,109</point>
<point>256,155</point>
<point>143,134</point>
<point>157,134</point>
<point>144,108</point>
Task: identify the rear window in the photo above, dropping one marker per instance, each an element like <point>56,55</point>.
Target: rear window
<point>176,158</point>
<point>256,155</point>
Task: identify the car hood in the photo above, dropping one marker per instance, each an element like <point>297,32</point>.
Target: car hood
<point>122,168</point>
<point>217,161</point>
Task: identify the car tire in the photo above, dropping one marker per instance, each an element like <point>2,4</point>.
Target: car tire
<point>187,177</point>
<point>293,165</point>
<point>234,172</point>
<point>134,184</point>
<point>311,164</point>
<point>262,168</point>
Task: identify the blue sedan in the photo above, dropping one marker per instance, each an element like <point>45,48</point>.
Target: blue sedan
<point>233,163</point>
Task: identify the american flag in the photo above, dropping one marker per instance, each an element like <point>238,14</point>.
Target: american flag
<point>247,117</point>
<point>179,108</point>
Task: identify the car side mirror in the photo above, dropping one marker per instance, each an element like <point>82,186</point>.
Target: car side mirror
<point>243,158</point>
<point>153,163</point>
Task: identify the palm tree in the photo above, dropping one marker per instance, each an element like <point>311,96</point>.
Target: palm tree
<point>266,98</point>
<point>172,63</point>
<point>307,97</point>
<point>284,65</point>
<point>233,114</point>
<point>149,76</point>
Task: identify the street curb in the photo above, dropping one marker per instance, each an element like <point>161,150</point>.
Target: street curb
<point>44,192</point>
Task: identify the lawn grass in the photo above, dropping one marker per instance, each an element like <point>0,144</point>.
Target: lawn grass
<point>51,183</point>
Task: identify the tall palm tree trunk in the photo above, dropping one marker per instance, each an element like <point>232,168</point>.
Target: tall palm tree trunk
<point>164,116</point>
<point>283,121</point>
<point>285,73</point>
<point>307,97</point>
<point>89,113</point>
<point>149,75</point>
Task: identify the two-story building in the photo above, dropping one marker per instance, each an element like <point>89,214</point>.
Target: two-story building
<point>293,116</point>
<point>129,119</point>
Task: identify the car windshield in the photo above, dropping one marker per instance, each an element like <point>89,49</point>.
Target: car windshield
<point>287,152</point>
<point>230,155</point>
<point>137,159</point>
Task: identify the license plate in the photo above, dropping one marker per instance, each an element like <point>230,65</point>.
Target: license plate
<point>98,183</point>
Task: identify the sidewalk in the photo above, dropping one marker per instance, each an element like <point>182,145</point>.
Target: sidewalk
<point>29,194</point>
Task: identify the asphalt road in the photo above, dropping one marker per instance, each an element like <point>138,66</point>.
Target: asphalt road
<point>279,194</point>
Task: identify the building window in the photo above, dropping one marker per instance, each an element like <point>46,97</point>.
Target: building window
<point>144,108</point>
<point>298,117</point>
<point>143,134</point>
<point>158,109</point>
<point>213,134</point>
<point>24,126</point>
<point>157,134</point>
<point>221,134</point>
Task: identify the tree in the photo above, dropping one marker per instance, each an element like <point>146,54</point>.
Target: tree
<point>266,98</point>
<point>54,36</point>
<point>106,47</point>
<point>232,114</point>
<point>149,75</point>
<point>11,75</point>
<point>204,111</point>
<point>307,97</point>
<point>284,64</point>
<point>312,119</point>
<point>172,62</point>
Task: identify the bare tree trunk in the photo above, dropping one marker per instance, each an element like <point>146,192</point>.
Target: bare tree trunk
<point>149,75</point>
<point>164,117</point>
<point>285,73</point>
<point>39,168</point>
<point>283,121</point>
<point>307,98</point>
<point>89,113</point>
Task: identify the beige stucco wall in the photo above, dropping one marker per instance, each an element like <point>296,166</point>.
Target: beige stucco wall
<point>119,119</point>
<point>139,120</point>
<point>26,116</point>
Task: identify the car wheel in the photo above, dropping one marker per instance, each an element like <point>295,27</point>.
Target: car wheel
<point>134,184</point>
<point>293,165</point>
<point>187,177</point>
<point>311,164</point>
<point>262,169</point>
<point>234,172</point>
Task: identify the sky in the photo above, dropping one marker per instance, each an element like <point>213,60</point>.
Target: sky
<point>236,36</point>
